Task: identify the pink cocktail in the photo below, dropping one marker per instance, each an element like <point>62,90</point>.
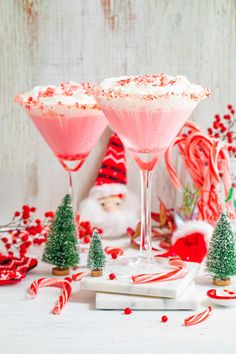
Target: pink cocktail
<point>68,119</point>
<point>147,113</point>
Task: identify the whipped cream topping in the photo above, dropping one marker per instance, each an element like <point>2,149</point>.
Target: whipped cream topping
<point>50,97</point>
<point>151,87</point>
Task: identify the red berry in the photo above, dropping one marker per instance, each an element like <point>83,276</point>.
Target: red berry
<point>232,111</point>
<point>38,229</point>
<point>86,239</point>
<point>127,311</point>
<point>112,276</point>
<point>38,221</point>
<point>217,135</point>
<point>25,215</point>
<point>33,209</point>
<point>215,125</point>
<point>25,238</point>
<point>223,129</point>
<point>26,208</point>
<point>210,131</point>
<point>100,231</point>
<point>4,239</point>
<point>14,242</point>
<point>17,213</point>
<point>8,246</point>
<point>230,106</point>
<point>10,253</point>
<point>164,319</point>
<point>217,118</point>
<point>227,117</point>
<point>114,255</point>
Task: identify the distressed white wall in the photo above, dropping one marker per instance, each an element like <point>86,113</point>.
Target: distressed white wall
<point>48,41</point>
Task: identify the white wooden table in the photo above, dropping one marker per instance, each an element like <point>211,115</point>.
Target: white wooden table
<point>27,326</point>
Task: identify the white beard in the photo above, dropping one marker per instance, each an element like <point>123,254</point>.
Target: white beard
<point>115,222</point>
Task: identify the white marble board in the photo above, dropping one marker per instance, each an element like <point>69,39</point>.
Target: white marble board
<point>188,300</point>
<point>123,284</point>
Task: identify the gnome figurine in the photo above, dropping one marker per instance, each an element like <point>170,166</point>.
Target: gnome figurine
<point>110,205</point>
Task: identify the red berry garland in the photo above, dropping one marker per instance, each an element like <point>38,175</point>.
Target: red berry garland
<point>23,230</point>
<point>224,128</point>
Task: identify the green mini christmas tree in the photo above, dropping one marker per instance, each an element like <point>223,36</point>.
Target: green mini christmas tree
<point>221,257</point>
<point>96,257</point>
<point>61,247</point>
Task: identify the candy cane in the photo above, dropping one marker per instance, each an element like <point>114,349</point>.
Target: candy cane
<point>198,318</point>
<point>65,284</point>
<point>79,276</point>
<point>180,272</point>
<point>109,250</point>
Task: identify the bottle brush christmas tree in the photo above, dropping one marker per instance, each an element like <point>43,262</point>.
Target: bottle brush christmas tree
<point>61,247</point>
<point>221,257</point>
<point>96,256</point>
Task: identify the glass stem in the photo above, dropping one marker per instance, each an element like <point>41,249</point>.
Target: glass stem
<point>146,241</point>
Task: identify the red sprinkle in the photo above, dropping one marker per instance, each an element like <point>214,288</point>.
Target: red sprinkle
<point>127,311</point>
<point>164,319</point>
<point>112,276</point>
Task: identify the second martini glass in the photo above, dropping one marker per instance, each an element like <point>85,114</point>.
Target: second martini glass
<point>147,113</point>
<point>68,119</point>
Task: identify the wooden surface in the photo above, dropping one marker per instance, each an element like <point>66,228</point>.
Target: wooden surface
<point>48,41</point>
<point>27,326</point>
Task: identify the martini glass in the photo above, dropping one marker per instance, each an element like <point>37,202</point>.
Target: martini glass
<point>68,119</point>
<point>147,113</point>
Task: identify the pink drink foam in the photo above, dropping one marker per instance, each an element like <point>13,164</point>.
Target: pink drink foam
<point>71,138</point>
<point>147,133</point>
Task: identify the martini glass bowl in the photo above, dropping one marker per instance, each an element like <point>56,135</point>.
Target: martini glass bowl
<point>68,119</point>
<point>147,112</point>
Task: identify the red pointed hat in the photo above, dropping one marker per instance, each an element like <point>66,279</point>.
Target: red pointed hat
<point>111,179</point>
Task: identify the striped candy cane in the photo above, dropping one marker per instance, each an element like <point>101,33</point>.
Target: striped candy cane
<point>65,284</point>
<point>198,318</point>
<point>180,272</point>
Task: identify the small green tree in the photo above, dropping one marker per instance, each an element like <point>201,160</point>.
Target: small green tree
<point>61,247</point>
<point>221,257</point>
<point>96,257</point>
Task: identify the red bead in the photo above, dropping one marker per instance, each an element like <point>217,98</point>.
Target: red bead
<point>17,213</point>
<point>127,311</point>
<point>86,239</point>
<point>112,276</point>
<point>114,255</point>
<point>164,319</point>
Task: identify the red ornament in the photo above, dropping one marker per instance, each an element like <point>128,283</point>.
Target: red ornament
<point>164,319</point>
<point>127,311</point>
<point>112,276</point>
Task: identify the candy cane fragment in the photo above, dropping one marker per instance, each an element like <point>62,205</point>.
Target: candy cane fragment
<point>180,272</point>
<point>198,318</point>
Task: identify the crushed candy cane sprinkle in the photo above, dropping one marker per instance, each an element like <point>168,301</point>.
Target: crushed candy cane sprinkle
<point>149,87</point>
<point>67,95</point>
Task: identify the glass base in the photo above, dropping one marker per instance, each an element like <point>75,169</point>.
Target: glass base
<point>72,164</point>
<point>136,265</point>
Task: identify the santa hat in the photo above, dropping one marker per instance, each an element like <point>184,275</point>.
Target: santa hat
<point>111,179</point>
